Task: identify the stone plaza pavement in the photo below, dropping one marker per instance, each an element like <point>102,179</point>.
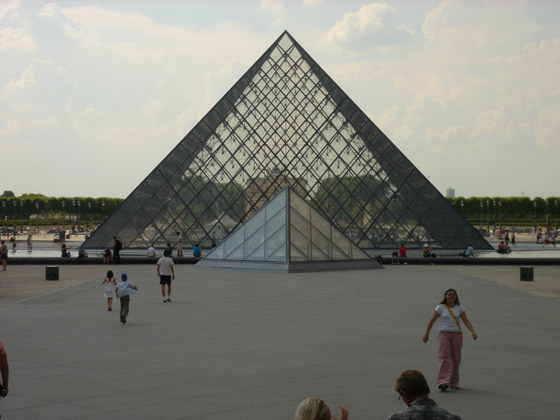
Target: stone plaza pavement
<point>248,345</point>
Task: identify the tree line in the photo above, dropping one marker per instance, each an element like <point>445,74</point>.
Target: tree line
<point>98,207</point>
<point>506,207</point>
<point>24,206</point>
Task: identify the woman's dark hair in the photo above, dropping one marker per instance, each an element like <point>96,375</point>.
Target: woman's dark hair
<point>109,274</point>
<point>444,300</point>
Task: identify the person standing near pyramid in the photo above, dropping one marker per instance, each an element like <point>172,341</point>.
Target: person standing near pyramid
<point>179,244</point>
<point>166,275</point>
<point>117,246</point>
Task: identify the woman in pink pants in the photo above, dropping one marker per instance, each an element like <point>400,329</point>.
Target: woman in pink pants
<point>450,338</point>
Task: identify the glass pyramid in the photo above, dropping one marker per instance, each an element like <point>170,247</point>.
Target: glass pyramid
<point>287,234</point>
<point>284,123</point>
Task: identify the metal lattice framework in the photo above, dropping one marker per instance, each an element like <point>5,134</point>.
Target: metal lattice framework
<point>287,123</point>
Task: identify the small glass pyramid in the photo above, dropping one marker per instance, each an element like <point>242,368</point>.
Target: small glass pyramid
<point>287,234</point>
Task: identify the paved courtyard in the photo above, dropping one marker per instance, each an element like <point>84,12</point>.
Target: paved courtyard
<point>248,345</point>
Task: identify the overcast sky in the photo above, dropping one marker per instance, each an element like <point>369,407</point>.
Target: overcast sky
<point>94,94</point>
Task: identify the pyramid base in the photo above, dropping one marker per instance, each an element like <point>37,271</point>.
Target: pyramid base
<point>292,267</point>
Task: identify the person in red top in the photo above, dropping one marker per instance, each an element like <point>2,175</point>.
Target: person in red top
<point>402,251</point>
<point>4,371</point>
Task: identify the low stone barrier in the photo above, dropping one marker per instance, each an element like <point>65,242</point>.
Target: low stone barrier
<point>507,260</point>
<point>386,260</point>
<point>93,260</point>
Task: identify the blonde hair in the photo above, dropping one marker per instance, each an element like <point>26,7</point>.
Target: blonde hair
<point>313,409</point>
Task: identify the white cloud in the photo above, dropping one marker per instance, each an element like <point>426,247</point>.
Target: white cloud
<point>370,25</point>
<point>27,79</point>
<point>152,108</point>
<point>275,8</point>
<point>312,3</point>
<point>548,128</point>
<point>481,76</point>
<point>14,32</point>
<point>363,70</point>
<point>48,121</point>
<point>10,127</point>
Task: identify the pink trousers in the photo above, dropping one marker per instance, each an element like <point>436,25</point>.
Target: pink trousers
<point>450,344</point>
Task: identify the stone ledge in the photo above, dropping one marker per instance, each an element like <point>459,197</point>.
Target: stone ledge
<point>92,260</point>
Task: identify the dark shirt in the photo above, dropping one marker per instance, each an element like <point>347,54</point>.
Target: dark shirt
<point>424,409</point>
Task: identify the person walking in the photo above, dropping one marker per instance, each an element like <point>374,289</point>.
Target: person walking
<point>109,292</point>
<point>166,274</point>
<point>4,255</point>
<point>414,391</point>
<point>123,291</point>
<point>4,371</point>
<point>29,243</point>
<point>450,338</point>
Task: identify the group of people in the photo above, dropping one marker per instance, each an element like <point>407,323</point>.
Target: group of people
<point>152,253</point>
<point>413,390</point>
<point>126,288</point>
<point>114,256</point>
<point>122,290</point>
<point>400,255</point>
<point>397,256</point>
<point>549,236</point>
<point>411,385</point>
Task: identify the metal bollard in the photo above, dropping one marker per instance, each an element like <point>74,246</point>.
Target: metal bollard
<point>526,273</point>
<point>51,272</point>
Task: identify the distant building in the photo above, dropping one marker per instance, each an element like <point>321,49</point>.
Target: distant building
<point>450,192</point>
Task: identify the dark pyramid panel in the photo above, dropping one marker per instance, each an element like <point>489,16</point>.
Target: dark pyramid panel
<point>287,123</point>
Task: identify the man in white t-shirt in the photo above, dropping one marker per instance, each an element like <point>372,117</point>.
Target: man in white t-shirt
<point>166,274</point>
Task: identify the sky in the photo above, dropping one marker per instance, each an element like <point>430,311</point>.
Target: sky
<point>94,94</point>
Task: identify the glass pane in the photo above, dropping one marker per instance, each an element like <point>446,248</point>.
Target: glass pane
<point>279,255</point>
<point>318,254</point>
<point>237,254</point>
<point>255,223</point>
<point>321,243</point>
<point>300,243</point>
<point>233,242</point>
<point>276,222</point>
<point>301,224</point>
<point>276,245</point>
<point>255,241</point>
<point>257,254</point>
